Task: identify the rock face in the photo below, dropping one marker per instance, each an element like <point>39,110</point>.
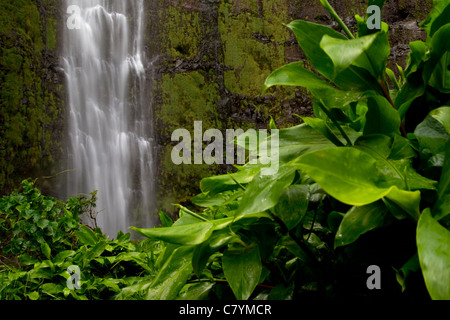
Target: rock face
<point>207,61</point>
<point>31,93</point>
<point>210,60</point>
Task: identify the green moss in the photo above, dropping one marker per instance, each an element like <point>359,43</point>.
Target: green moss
<point>187,97</point>
<point>182,32</point>
<point>253,39</point>
<point>28,105</point>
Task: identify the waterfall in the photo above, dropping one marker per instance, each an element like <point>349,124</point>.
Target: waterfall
<point>109,111</point>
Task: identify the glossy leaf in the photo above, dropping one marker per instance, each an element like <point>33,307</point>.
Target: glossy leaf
<point>298,140</point>
<point>348,174</point>
<point>216,184</point>
<point>432,133</point>
<point>384,119</point>
<point>242,269</point>
<point>308,37</point>
<point>368,52</point>
<point>189,234</point>
<point>294,74</point>
<point>433,244</point>
<point>293,205</point>
<point>322,127</point>
<point>359,220</point>
<point>166,221</point>
<point>439,16</point>
<point>173,274</point>
<point>264,191</point>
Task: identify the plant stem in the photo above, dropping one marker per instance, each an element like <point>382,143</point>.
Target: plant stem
<point>335,16</point>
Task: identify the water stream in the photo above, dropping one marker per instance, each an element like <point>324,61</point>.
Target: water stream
<point>109,111</point>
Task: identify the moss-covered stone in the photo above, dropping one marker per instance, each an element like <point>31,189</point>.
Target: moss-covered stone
<point>30,104</point>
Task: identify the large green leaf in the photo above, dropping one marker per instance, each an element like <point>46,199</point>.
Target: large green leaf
<point>264,191</point>
<point>408,201</point>
<point>321,126</point>
<point>382,117</point>
<point>355,177</point>
<point>433,245</point>
<point>189,234</point>
<point>368,52</point>
<point>433,132</point>
<point>346,173</point>
<point>294,74</point>
<point>242,268</point>
<point>173,275</point>
<point>359,220</point>
<point>293,205</point>
<point>216,184</point>
<point>308,37</point>
<point>298,140</point>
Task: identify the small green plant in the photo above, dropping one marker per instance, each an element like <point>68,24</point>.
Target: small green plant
<point>366,179</point>
<point>42,239</point>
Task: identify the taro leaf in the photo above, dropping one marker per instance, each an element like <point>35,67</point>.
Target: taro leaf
<point>173,275</point>
<point>264,191</point>
<point>433,244</point>
<point>359,220</point>
<point>242,269</point>
<point>293,205</point>
<point>86,236</point>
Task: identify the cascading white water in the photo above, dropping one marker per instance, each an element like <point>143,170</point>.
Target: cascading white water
<point>109,114</point>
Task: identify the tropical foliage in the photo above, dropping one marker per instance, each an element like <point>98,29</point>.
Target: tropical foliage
<point>364,182</point>
<point>372,164</point>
